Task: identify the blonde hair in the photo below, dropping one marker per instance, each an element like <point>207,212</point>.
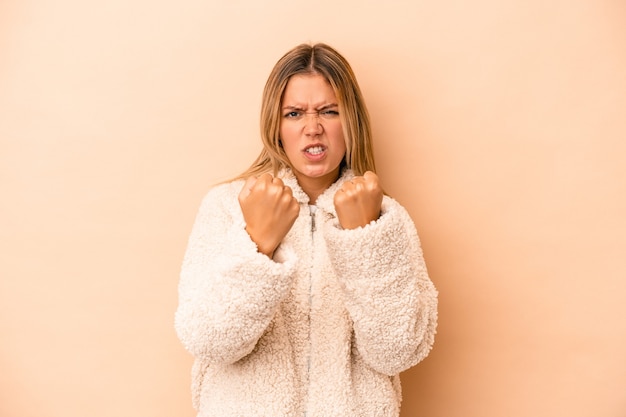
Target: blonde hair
<point>323,60</point>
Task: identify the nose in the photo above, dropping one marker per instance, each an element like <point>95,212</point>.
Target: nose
<point>312,124</point>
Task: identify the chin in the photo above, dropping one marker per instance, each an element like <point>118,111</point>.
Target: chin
<point>318,173</point>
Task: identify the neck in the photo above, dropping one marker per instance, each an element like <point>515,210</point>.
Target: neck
<point>314,187</point>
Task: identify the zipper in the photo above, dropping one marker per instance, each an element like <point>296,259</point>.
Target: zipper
<point>312,211</point>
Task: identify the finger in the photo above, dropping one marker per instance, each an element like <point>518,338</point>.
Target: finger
<point>266,178</point>
<point>285,194</point>
<point>278,182</point>
<point>355,184</point>
<point>370,176</point>
<point>361,182</point>
<point>287,198</point>
<point>263,184</point>
<point>250,181</point>
<point>247,187</point>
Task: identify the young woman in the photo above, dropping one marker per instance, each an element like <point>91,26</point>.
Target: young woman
<point>303,289</point>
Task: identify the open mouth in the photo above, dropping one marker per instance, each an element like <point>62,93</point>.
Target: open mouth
<point>315,150</point>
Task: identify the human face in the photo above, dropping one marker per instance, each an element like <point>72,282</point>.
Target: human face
<point>311,132</point>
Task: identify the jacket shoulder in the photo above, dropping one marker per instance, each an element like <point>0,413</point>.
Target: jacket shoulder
<point>223,193</point>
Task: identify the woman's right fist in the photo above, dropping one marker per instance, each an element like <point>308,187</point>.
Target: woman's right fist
<point>269,210</point>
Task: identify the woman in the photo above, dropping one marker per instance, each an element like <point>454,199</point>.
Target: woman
<point>303,290</point>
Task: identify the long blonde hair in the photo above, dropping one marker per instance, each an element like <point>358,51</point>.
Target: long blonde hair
<point>323,60</point>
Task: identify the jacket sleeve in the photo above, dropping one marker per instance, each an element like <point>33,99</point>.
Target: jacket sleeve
<point>228,291</point>
<point>387,291</point>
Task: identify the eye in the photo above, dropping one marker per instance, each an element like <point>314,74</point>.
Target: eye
<point>328,114</point>
<point>292,114</point>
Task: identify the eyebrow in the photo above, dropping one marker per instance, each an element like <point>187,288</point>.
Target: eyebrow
<point>323,107</point>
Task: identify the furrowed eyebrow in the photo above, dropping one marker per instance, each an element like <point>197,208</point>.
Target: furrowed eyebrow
<point>328,106</point>
<point>323,107</point>
<point>292,108</point>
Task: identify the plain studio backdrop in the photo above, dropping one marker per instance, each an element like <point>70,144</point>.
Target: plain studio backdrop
<point>500,125</point>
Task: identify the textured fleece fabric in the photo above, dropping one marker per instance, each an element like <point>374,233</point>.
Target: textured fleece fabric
<point>322,330</point>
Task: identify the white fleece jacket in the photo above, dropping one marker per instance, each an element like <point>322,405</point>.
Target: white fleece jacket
<point>322,330</point>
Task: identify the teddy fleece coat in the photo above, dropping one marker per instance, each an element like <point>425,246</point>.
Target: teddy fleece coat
<point>321,330</point>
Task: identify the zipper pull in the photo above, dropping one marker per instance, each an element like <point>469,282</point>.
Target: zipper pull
<point>312,210</point>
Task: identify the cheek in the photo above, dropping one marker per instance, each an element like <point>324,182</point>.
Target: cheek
<point>287,132</point>
<point>287,139</point>
<point>337,137</point>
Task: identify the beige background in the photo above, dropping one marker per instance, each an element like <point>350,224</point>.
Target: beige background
<point>500,125</point>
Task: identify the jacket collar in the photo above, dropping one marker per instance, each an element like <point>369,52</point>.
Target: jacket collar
<point>325,200</point>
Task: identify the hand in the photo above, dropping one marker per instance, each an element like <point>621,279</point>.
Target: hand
<point>358,201</point>
<point>269,210</point>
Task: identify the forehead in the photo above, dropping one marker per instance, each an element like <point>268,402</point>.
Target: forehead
<point>312,89</point>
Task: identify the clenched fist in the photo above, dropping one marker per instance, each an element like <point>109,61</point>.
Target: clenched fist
<point>269,210</point>
<point>358,201</point>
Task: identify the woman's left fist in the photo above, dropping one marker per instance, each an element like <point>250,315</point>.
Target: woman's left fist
<point>358,201</point>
